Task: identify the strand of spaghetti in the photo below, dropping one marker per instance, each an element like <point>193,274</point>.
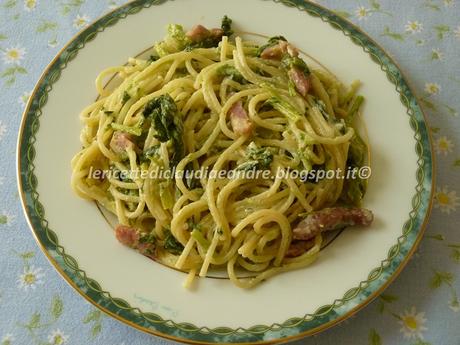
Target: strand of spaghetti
<point>190,278</point>
<point>178,228</point>
<point>100,79</point>
<point>185,253</point>
<point>210,189</point>
<point>209,254</point>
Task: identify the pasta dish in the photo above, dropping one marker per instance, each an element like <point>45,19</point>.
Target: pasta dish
<point>246,116</point>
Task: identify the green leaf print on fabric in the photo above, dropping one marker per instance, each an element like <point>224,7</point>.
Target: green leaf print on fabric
<point>439,278</point>
<point>394,35</point>
<point>57,306</point>
<point>36,322</point>
<point>69,6</point>
<point>385,299</point>
<point>441,31</point>
<point>455,252</point>
<point>94,317</point>
<point>10,74</point>
<point>374,338</point>
<point>432,5</point>
<point>10,3</point>
<point>47,26</point>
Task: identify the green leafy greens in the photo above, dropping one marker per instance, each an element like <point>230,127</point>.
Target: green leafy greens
<point>167,123</point>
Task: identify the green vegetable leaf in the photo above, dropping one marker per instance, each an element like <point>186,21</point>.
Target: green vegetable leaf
<point>3,219</point>
<point>227,26</point>
<point>288,62</point>
<point>358,101</point>
<point>172,245</point>
<point>126,97</point>
<point>2,37</point>
<point>134,130</point>
<point>198,236</point>
<point>284,107</point>
<point>57,307</point>
<point>167,123</point>
<point>374,338</point>
<point>457,163</point>
<point>256,158</point>
<point>167,194</point>
<point>355,188</point>
<point>153,152</point>
<point>263,156</point>
<point>232,73</point>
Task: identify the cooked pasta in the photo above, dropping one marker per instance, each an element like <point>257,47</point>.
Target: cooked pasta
<point>228,107</point>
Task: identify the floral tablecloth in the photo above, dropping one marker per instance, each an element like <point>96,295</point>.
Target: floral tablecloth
<point>421,307</point>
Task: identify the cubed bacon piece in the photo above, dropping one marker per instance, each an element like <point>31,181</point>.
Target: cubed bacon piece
<point>239,119</point>
<point>198,33</point>
<point>277,51</point>
<point>331,219</point>
<point>300,80</point>
<point>132,238</point>
<point>272,53</point>
<point>147,249</point>
<point>216,33</point>
<point>120,142</point>
<point>127,235</point>
<point>298,248</point>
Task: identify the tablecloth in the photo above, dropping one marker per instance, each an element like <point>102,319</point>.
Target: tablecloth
<point>420,308</point>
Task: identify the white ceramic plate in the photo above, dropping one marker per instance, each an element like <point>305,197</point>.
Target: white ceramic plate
<point>349,273</point>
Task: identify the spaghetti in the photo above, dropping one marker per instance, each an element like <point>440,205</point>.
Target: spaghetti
<point>206,101</point>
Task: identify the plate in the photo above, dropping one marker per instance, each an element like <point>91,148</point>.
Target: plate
<point>350,272</point>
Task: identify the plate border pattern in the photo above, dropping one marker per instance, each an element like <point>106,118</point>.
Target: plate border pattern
<point>326,316</point>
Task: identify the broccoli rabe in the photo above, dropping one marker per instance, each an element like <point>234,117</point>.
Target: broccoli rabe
<point>288,62</point>
<point>226,26</point>
<point>175,41</point>
<point>212,39</point>
<point>167,123</point>
<point>354,189</point>
<point>284,107</point>
<point>257,158</point>
<point>231,72</point>
<point>358,101</point>
<point>172,245</point>
<point>134,130</point>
